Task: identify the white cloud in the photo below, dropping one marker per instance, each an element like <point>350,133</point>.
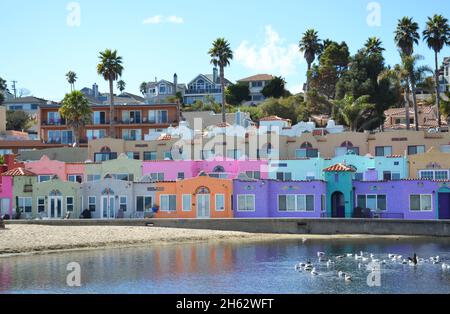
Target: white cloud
<point>158,19</point>
<point>175,19</point>
<point>153,20</point>
<point>274,56</point>
<point>295,89</point>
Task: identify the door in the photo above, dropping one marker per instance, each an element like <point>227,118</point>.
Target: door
<point>108,210</point>
<point>337,205</point>
<point>4,206</point>
<point>55,207</point>
<point>444,205</point>
<point>203,206</point>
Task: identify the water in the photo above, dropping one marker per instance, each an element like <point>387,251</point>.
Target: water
<point>266,267</point>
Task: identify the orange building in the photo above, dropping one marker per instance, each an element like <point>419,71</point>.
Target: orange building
<point>199,197</point>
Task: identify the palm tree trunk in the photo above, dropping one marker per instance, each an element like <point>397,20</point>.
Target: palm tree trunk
<point>438,95</point>
<point>406,97</point>
<point>111,109</point>
<point>307,83</point>
<point>416,112</point>
<point>222,82</point>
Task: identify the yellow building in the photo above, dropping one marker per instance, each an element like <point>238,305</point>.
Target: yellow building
<point>433,164</point>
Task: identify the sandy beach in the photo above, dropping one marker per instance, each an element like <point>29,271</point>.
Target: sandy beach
<point>34,239</point>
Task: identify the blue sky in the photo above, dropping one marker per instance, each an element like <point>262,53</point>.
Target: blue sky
<point>159,38</point>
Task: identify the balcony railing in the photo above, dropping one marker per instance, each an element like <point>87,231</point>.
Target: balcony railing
<point>203,91</point>
<point>52,122</point>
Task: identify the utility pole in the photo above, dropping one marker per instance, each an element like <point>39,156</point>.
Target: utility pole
<point>14,88</point>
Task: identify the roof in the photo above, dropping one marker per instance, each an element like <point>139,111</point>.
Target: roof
<point>65,154</point>
<point>19,172</point>
<point>273,118</point>
<point>339,168</point>
<point>26,100</point>
<point>257,77</point>
<point>209,118</point>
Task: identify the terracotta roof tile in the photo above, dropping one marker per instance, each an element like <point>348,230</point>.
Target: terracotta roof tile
<point>19,172</point>
<point>273,118</point>
<point>339,168</point>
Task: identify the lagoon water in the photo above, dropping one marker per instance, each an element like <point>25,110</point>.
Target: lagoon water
<point>263,267</point>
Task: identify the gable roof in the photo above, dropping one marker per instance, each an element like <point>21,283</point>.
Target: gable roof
<point>257,77</point>
<point>25,100</point>
<point>19,172</point>
<point>209,78</point>
<point>339,168</point>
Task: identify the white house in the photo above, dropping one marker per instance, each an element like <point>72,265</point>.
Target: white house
<point>256,84</point>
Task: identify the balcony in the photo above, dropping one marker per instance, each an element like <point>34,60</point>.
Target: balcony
<point>203,91</point>
<point>51,122</point>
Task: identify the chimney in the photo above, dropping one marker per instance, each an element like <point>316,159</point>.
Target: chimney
<point>175,83</point>
<point>95,90</point>
<point>215,76</point>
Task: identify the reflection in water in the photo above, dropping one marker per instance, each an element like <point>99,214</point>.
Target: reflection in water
<point>226,268</point>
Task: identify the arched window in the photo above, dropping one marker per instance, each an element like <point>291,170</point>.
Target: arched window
<point>107,191</point>
<point>203,190</point>
<point>347,144</point>
<point>219,169</point>
<point>347,148</point>
<point>105,149</point>
<point>306,151</point>
<point>55,193</point>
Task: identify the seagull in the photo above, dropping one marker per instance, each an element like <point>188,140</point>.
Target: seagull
<point>341,274</point>
<point>320,254</point>
<point>340,257</point>
<point>330,263</point>
<point>347,277</point>
<point>445,266</point>
<point>349,255</point>
<point>314,272</point>
<point>413,260</point>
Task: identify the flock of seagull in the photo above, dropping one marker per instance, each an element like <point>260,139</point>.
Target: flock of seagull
<point>363,261</point>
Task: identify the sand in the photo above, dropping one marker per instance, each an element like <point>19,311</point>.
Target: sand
<point>34,239</point>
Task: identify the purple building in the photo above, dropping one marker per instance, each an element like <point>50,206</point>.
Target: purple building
<point>279,199</point>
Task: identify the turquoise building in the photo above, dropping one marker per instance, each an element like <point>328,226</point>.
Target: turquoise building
<point>340,196</point>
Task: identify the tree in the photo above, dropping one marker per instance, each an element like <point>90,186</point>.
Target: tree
<point>310,45</point>
<point>3,89</point>
<point>275,88</point>
<point>406,36</point>
<point>2,160</point>
<point>255,112</point>
<point>286,108</point>
<point>121,85</point>
<point>76,111</point>
<point>71,78</point>
<point>333,63</point>
<point>445,108</point>
<point>110,67</point>
<point>143,88</point>
<point>237,93</point>
<point>221,55</point>
<point>17,120</point>
<point>353,111</point>
<point>374,45</point>
<point>437,35</point>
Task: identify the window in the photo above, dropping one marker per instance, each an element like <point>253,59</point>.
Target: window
<point>246,203</point>
<point>168,203</point>
<point>41,204</point>
<point>123,176</point>
<point>150,155</point>
<point>104,156</point>
<point>25,204</point>
<point>95,134</point>
<point>295,202</point>
<point>234,154</point>
<point>44,178</point>
<point>133,155</point>
<point>220,202</point>
<point>323,202</point>
<point>372,201</point>
<point>143,203</point>
<point>434,174</point>
<point>284,176</point>
<point>92,203</point>
<point>359,176</point>
<point>93,177</point>
<point>157,176</point>
<point>187,202</point>
<point>257,84</point>
<point>383,151</point>
<point>99,117</point>
<point>123,203</point>
<point>306,151</point>
<point>158,116</point>
<point>168,155</point>
<point>53,118</point>
<point>253,174</point>
<point>180,175</point>
<point>418,149</point>
<point>132,134</point>
<point>75,178</point>
<point>420,202</point>
<point>69,204</point>
<point>131,116</point>
<point>445,148</point>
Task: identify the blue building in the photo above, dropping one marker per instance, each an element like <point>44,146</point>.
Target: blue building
<point>204,87</point>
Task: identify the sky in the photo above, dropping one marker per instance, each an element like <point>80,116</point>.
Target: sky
<point>42,40</point>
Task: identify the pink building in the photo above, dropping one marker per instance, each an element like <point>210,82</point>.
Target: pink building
<point>45,169</point>
<point>6,195</point>
<point>219,168</point>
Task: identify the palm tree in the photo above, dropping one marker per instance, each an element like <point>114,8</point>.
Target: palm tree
<point>121,85</point>
<point>71,78</point>
<point>143,88</point>
<point>311,46</point>
<point>221,55</point>
<point>406,36</point>
<point>110,67</point>
<point>76,111</point>
<point>374,45</point>
<point>445,107</point>
<point>437,35</point>
<point>352,110</point>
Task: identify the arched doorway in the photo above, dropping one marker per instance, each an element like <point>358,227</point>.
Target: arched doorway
<point>55,204</point>
<point>107,204</point>
<point>337,205</point>
<point>203,200</point>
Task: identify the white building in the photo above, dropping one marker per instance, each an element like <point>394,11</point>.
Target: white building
<point>256,84</point>
<point>444,78</point>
